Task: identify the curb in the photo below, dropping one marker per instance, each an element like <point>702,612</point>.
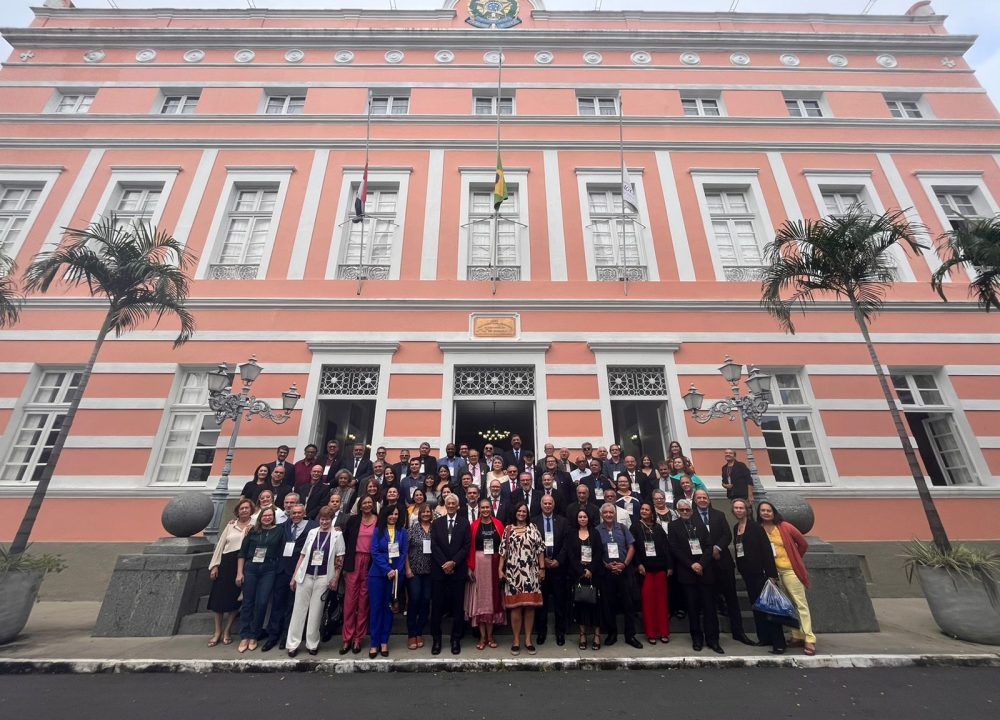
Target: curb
<point>57,666</point>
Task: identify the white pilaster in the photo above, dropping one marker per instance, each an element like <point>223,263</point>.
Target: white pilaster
<point>307,220</point>
<point>675,217</point>
<point>554,211</point>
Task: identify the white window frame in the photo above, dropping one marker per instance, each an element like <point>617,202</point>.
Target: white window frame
<point>594,102</point>
<point>393,101</point>
<point>800,99</point>
<point>173,408</point>
<point>132,177</point>
<point>711,180</point>
<point>896,99</point>
<point>486,177</point>
<point>287,96</point>
<point>25,407</point>
<point>377,176</point>
<point>805,408</point>
<point>239,178</point>
<point>346,225</point>
<point>85,97</point>
<point>492,96</point>
<point>188,99</point>
<point>859,182</point>
<point>699,98</point>
<point>40,177</point>
<point>508,214</point>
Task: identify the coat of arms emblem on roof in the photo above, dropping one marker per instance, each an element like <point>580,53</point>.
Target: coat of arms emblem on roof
<point>493,13</point>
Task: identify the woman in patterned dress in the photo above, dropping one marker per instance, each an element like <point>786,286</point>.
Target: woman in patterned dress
<point>522,569</point>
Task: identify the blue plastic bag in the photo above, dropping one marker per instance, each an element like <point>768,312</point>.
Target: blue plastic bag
<point>776,606</point>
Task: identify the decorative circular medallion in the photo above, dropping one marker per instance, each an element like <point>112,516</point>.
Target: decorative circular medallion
<point>592,57</point>
<point>145,56</point>
<point>739,58</point>
<point>94,56</point>
<point>244,56</point>
<point>544,57</point>
<point>690,58</point>
<point>444,56</point>
<point>837,60</point>
<point>493,57</point>
<point>948,62</point>
<point>194,56</point>
<point>641,57</point>
<point>343,56</point>
<point>790,60</point>
<point>294,56</point>
<point>886,60</point>
<point>394,56</point>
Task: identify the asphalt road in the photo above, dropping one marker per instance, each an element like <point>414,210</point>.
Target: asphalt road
<point>882,694</point>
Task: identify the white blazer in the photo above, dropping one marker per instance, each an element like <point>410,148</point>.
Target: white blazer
<point>337,549</point>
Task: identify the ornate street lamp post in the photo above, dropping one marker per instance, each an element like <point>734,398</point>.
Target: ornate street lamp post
<point>234,406</point>
<point>751,406</point>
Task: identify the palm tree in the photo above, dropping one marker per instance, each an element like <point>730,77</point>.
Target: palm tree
<point>10,301</point>
<point>977,244</point>
<point>141,272</point>
<point>847,257</point>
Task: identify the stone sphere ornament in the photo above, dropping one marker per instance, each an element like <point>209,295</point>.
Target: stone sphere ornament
<point>794,508</point>
<point>187,514</point>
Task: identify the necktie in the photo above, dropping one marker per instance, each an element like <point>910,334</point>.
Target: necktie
<point>517,454</point>
<point>356,463</point>
<point>548,531</point>
<point>704,518</point>
<point>451,526</point>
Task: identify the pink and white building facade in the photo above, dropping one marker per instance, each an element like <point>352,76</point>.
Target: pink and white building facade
<point>243,133</point>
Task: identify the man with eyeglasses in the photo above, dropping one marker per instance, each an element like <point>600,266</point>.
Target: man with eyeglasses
<point>693,566</point>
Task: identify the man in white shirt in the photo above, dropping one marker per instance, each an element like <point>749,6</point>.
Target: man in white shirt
<point>580,471</point>
<point>623,517</point>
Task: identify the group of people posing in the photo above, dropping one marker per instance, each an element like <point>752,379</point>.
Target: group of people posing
<point>499,538</point>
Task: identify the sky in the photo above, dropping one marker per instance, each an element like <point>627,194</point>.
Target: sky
<point>972,17</point>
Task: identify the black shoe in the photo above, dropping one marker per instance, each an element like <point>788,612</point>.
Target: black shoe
<point>541,638</point>
<point>385,653</point>
<point>664,640</point>
<point>356,649</point>
<point>761,643</point>
<point>345,649</point>
<point>560,640</point>
<point>314,651</point>
<point>436,648</point>
<point>681,614</point>
<point>611,639</point>
<point>741,637</point>
<point>777,651</point>
<point>634,642</point>
<point>281,645</point>
<point>696,646</point>
<point>268,644</point>
<point>293,653</point>
<point>372,653</point>
<point>718,649</point>
<point>456,647</point>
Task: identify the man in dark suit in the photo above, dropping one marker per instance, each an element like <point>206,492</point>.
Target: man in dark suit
<point>450,541</point>
<point>563,481</point>
<point>283,597</point>
<point>474,467</point>
<point>402,467</point>
<point>282,461</point>
<point>693,566</point>
<point>736,478</point>
<point>515,456</point>
<point>526,493</point>
<point>583,501</point>
<point>661,480</point>
<point>280,485</point>
<point>316,494</point>
<point>550,489</point>
<point>552,527</point>
<point>719,538</point>
<point>500,502</point>
<point>428,463</point>
<point>331,462</point>
<point>340,516</point>
<point>358,465</point>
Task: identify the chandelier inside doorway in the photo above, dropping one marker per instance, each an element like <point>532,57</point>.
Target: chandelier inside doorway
<point>493,433</point>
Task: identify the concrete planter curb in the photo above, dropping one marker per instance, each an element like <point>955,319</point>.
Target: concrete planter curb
<point>18,590</point>
<point>55,666</point>
<point>960,605</point>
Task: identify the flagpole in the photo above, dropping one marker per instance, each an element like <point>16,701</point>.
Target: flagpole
<point>494,270</point>
<point>364,189</point>
<point>621,153</point>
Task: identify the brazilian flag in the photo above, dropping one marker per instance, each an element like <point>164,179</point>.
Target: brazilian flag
<point>499,186</point>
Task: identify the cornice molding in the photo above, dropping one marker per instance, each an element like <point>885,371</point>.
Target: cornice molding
<point>614,347</point>
<point>353,348</point>
<point>491,346</point>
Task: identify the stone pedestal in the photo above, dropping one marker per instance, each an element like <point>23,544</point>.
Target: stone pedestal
<point>150,593</point>
<point>838,596</point>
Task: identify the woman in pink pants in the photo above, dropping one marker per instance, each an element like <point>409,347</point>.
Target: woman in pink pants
<point>357,561</point>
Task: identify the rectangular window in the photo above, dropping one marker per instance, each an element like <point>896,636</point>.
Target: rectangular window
<point>136,204</point>
<point>701,107</point>
<point>179,104</point>
<point>735,233</point>
<point>16,204</point>
<point>606,105</point>
<point>70,104</point>
<point>484,225</point>
<point>390,104</point>
<point>839,203</point>
<point>247,226</point>
<point>958,206</point>
<point>188,449</point>
<point>487,105</point>
<point>35,437</point>
<point>799,107</point>
<point>904,109</point>
<point>789,435</point>
<point>285,104</point>
<point>615,237</point>
<point>372,250</point>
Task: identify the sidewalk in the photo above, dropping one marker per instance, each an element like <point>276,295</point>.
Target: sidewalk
<point>57,640</point>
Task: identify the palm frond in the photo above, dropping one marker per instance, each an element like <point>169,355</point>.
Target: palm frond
<point>10,298</point>
<point>975,244</point>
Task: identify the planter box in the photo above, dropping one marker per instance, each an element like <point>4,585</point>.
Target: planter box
<point>960,606</point>
<point>18,591</point>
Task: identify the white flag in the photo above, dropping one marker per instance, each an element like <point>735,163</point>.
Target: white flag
<point>628,192</point>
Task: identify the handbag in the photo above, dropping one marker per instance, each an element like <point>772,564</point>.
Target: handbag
<point>776,606</point>
<point>586,594</point>
<point>332,620</point>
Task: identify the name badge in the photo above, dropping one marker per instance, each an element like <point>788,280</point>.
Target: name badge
<point>739,549</point>
<point>317,558</point>
<point>487,546</point>
<point>695,546</point>
<point>259,555</point>
<point>289,549</point>
<point>550,539</point>
<point>586,554</point>
<point>612,551</point>
<point>393,550</point>
<point>650,548</point>
<point>427,546</point>
<point>774,550</point>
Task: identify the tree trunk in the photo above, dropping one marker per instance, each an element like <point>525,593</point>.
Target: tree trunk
<point>28,522</point>
<point>938,533</point>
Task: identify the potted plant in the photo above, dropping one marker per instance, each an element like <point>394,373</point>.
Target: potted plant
<point>962,587</point>
<point>20,577</point>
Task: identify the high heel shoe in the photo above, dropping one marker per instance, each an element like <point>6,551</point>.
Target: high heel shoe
<point>583,641</point>
<point>597,643</point>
